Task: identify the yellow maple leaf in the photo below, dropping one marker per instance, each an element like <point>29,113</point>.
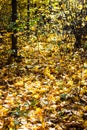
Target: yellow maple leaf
<point>86,18</point>
<point>3,111</point>
<point>84,74</point>
<point>47,73</point>
<point>80,7</point>
<point>63,6</point>
<point>36,96</point>
<point>70,83</point>
<point>38,111</point>
<point>10,128</point>
<point>19,84</point>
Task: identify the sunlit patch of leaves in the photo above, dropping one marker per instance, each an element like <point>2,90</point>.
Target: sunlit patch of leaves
<point>46,90</point>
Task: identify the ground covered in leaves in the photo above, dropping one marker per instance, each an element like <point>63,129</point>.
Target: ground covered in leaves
<point>45,90</point>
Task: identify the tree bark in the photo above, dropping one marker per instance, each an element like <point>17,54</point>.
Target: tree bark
<point>28,17</point>
<point>14,30</point>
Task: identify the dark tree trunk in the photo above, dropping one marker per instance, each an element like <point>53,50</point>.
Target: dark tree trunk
<point>28,17</point>
<point>78,41</point>
<point>14,30</point>
<point>78,32</point>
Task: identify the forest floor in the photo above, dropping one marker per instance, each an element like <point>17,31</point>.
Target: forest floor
<point>45,90</point>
